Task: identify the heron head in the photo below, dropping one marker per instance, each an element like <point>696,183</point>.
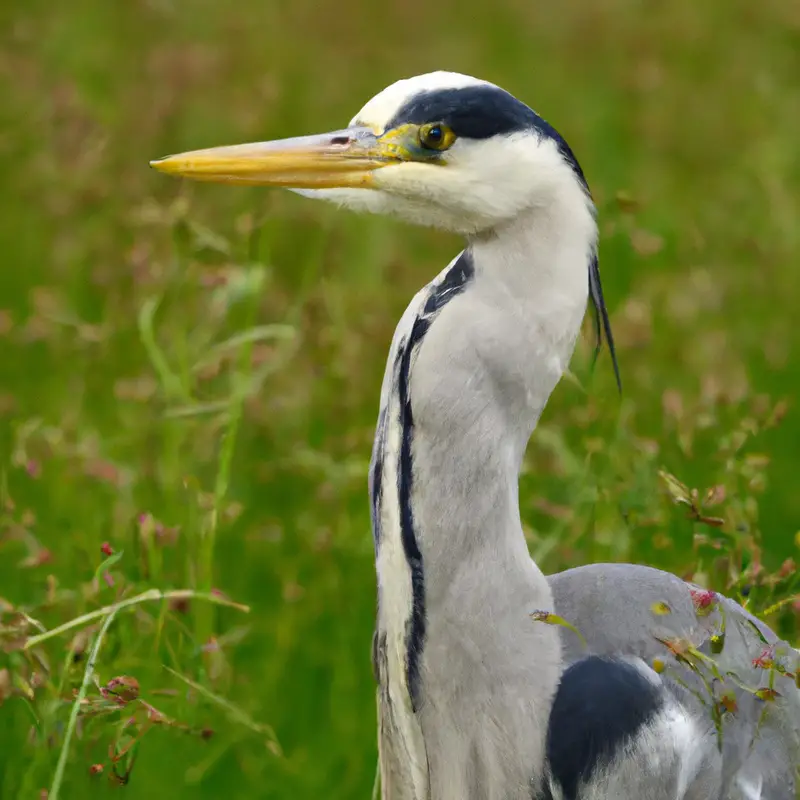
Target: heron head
<point>440,149</point>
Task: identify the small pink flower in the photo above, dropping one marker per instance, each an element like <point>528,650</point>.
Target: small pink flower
<point>703,598</point>
<point>766,660</point>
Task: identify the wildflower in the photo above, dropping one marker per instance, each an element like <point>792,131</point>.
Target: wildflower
<point>766,660</point>
<point>703,600</point>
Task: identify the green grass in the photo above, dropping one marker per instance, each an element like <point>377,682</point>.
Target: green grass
<point>191,373</point>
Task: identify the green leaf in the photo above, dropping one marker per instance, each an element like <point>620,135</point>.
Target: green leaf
<point>678,491</point>
<point>108,563</point>
<point>554,619</point>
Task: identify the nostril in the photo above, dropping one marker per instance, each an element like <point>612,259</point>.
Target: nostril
<point>340,140</point>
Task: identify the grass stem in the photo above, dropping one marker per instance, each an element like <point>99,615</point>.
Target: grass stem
<point>58,777</point>
<point>150,594</point>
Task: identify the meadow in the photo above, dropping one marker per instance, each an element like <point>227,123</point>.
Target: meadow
<point>189,374</point>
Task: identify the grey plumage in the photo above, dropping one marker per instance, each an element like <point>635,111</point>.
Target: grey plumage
<point>490,672</point>
<point>478,700</point>
<point>613,606</point>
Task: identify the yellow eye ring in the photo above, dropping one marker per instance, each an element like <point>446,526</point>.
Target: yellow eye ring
<point>436,136</point>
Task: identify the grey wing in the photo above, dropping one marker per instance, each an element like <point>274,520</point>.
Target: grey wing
<point>629,610</point>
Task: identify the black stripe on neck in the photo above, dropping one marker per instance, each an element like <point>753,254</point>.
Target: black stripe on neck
<point>454,282</point>
<point>376,478</point>
<point>416,625</point>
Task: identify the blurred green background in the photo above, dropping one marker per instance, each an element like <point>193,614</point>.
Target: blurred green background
<point>190,373</point>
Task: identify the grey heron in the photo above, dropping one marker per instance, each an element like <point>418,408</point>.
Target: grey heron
<point>676,692</point>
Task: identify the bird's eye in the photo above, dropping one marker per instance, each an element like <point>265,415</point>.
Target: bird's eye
<point>436,136</point>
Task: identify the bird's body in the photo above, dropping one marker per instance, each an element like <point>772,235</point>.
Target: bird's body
<point>477,699</point>
<point>754,754</point>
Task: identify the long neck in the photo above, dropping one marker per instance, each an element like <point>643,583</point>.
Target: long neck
<point>480,381</point>
<point>473,362</point>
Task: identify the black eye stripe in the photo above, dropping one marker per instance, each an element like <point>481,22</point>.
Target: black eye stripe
<point>480,112</point>
<point>474,112</point>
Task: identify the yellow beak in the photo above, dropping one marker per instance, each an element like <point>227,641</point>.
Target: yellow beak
<point>346,158</point>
